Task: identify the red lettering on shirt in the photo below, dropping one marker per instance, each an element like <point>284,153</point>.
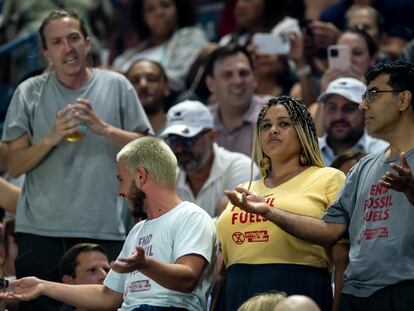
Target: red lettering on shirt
<point>139,286</point>
<point>270,202</point>
<point>257,236</point>
<point>377,207</point>
<point>243,217</point>
<point>250,237</point>
<point>371,234</point>
<point>377,190</point>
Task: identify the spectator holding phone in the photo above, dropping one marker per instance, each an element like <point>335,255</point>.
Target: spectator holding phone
<point>274,75</point>
<point>260,16</point>
<point>363,53</point>
<point>398,21</point>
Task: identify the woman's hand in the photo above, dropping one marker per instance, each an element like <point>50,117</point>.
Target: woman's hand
<point>248,201</point>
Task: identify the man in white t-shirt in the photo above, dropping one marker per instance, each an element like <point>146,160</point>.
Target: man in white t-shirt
<point>167,260</point>
<point>205,169</point>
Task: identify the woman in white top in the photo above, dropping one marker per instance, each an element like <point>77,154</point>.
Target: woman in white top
<point>166,28</point>
<point>260,16</point>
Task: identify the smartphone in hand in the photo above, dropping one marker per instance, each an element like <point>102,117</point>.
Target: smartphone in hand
<point>339,57</point>
<point>267,43</point>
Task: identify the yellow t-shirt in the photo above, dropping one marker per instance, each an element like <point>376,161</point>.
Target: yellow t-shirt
<point>250,239</point>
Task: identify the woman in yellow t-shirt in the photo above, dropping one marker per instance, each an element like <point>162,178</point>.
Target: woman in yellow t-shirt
<point>258,255</point>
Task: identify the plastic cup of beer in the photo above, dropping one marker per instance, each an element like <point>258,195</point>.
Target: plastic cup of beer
<point>81,130</point>
<point>78,134</point>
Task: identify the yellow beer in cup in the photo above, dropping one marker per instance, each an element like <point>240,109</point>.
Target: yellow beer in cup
<point>78,134</point>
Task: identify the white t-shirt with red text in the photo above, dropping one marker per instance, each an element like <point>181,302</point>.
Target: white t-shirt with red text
<point>186,229</point>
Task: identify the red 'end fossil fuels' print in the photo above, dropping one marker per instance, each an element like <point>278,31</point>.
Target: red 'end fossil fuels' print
<point>377,208</point>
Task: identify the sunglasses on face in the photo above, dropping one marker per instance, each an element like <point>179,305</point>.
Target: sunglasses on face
<point>177,140</point>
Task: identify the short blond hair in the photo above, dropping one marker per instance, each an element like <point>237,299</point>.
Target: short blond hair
<point>154,155</point>
<point>263,302</point>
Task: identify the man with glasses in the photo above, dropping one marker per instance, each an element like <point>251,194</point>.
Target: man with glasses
<point>344,122</point>
<point>205,169</point>
<point>375,206</point>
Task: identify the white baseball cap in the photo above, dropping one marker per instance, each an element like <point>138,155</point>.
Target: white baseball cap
<point>350,88</point>
<point>188,119</point>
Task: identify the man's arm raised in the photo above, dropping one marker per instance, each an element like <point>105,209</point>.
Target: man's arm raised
<point>306,228</point>
<point>84,296</point>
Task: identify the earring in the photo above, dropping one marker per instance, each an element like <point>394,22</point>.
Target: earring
<point>302,158</point>
<point>265,164</point>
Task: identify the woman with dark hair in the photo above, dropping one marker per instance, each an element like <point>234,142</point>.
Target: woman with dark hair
<point>274,76</point>
<point>260,16</point>
<point>364,49</point>
<point>169,37</point>
<point>364,54</point>
<point>258,255</point>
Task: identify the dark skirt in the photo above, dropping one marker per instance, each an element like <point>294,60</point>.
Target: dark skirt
<point>243,281</point>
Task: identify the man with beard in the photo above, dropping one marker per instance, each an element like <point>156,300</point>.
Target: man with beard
<point>205,169</point>
<point>151,84</point>
<point>167,260</point>
<point>344,122</point>
<point>63,129</point>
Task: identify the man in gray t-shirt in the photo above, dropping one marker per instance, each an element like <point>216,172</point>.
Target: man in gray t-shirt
<point>69,195</point>
<point>376,204</point>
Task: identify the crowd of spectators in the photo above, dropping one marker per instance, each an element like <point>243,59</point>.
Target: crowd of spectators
<point>82,80</point>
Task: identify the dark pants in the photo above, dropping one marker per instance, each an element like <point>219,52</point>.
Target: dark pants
<point>40,256</point>
<point>398,297</point>
<point>243,281</point>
